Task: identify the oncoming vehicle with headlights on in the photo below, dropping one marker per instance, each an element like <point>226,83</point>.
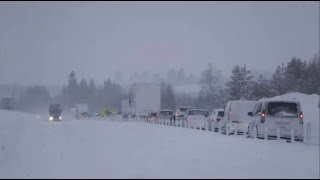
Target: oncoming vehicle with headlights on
<point>55,112</point>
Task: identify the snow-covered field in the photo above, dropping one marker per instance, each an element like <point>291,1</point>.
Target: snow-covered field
<point>31,147</point>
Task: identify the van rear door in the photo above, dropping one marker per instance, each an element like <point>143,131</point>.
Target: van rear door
<point>283,113</point>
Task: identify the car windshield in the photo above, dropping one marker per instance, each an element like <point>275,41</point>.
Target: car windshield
<point>166,113</point>
<point>183,110</point>
<point>198,112</point>
<point>220,113</point>
<point>153,114</point>
<point>283,109</point>
<point>54,109</point>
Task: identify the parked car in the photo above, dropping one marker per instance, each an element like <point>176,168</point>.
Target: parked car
<point>236,117</point>
<point>285,115</point>
<point>125,115</point>
<point>215,117</point>
<point>152,116</point>
<point>180,112</point>
<point>90,114</point>
<point>166,114</point>
<point>84,115</point>
<point>197,118</point>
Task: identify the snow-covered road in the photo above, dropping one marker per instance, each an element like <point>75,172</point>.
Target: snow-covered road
<point>34,148</point>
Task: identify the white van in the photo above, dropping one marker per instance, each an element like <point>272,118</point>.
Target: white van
<point>236,116</point>
<point>285,115</point>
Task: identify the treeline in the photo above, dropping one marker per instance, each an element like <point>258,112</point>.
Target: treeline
<point>109,95</point>
<point>33,99</point>
<point>295,76</point>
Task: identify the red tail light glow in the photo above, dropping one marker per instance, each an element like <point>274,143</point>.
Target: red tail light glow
<point>301,118</point>
<point>263,117</point>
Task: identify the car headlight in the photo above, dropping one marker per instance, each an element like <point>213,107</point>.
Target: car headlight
<point>51,118</point>
<point>60,118</point>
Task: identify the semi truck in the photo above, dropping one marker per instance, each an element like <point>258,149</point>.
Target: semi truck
<point>145,98</point>
<point>55,112</point>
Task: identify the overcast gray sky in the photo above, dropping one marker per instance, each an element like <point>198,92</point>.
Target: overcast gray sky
<point>41,42</point>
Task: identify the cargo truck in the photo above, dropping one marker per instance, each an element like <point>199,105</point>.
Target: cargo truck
<point>145,98</point>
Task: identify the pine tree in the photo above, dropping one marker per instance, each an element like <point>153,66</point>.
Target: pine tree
<point>240,85</point>
<point>72,88</point>
<point>295,75</point>
<point>262,88</point>
<point>313,76</point>
<point>83,92</point>
<point>93,95</point>
<point>278,81</point>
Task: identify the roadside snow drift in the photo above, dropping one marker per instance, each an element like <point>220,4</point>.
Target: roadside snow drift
<point>31,147</point>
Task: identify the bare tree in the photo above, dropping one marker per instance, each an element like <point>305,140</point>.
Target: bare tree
<point>211,83</point>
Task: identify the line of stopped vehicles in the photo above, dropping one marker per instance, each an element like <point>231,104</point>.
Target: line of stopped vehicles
<point>250,118</point>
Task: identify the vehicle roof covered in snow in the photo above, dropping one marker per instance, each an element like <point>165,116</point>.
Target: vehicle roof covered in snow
<point>279,100</point>
<point>166,110</point>
<point>197,110</point>
<point>185,107</point>
<point>218,109</point>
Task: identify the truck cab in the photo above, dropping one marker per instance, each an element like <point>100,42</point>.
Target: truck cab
<point>55,112</point>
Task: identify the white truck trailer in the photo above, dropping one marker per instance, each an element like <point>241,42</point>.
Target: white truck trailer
<point>82,111</point>
<point>145,98</point>
<point>125,107</point>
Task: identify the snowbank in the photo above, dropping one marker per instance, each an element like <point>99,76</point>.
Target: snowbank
<point>310,109</point>
<point>33,148</point>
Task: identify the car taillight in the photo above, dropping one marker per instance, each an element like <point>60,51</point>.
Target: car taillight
<point>263,117</point>
<point>301,118</point>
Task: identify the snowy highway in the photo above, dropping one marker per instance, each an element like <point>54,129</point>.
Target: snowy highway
<point>31,147</point>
